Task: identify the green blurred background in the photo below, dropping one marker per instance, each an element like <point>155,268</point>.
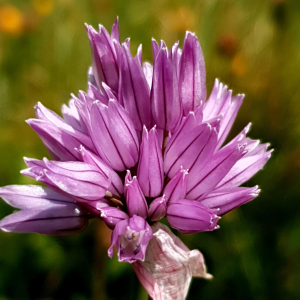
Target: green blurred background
<point>251,45</point>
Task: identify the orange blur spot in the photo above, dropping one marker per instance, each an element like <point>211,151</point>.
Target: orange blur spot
<point>239,65</point>
<point>11,20</point>
<point>181,19</point>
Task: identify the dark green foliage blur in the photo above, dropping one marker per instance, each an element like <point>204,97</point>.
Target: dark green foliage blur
<point>251,45</point>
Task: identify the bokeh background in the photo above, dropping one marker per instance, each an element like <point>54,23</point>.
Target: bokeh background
<point>251,45</point>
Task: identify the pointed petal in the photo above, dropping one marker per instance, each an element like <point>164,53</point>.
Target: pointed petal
<point>71,116</point>
<point>135,89</point>
<point>148,71</point>
<point>157,209</point>
<point>190,150</point>
<point>112,216</point>
<point>31,196</point>
<point>229,199</point>
<point>58,220</point>
<point>135,200</point>
<point>92,159</point>
<point>87,191</point>
<point>192,78</point>
<point>243,170</point>
<point>176,188</point>
<point>56,140</point>
<point>214,171</point>
<point>150,168</point>
<point>114,135</point>
<point>165,105</point>
<point>115,31</point>
<point>189,216</point>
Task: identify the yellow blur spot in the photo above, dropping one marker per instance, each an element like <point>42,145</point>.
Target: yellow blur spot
<point>43,7</point>
<point>181,19</point>
<point>239,65</point>
<point>11,20</point>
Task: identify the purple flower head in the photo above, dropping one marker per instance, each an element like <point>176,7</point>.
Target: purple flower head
<point>131,237</point>
<point>142,143</point>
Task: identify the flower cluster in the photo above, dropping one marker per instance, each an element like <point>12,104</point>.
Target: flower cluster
<point>143,143</point>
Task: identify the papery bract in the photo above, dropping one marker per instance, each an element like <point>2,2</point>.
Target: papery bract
<point>169,266</point>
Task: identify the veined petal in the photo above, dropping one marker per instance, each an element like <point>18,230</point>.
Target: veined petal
<point>176,187</point>
<point>77,170</point>
<point>192,78</point>
<point>57,220</point>
<point>192,150</point>
<point>114,135</point>
<point>218,101</point>
<point>134,89</point>
<point>96,94</point>
<point>112,216</point>
<point>165,105</point>
<point>31,196</point>
<point>104,62</point>
<point>92,159</point>
<point>60,143</point>
<point>190,216</point>
<point>221,102</point>
<point>227,200</point>
<point>76,179</point>
<point>150,169</point>
<point>72,117</point>
<point>135,200</point>
<point>214,171</point>
<point>157,209</point>
<point>45,114</point>
<point>115,31</point>
<point>139,54</point>
<point>192,120</point>
<point>155,48</point>
<point>86,191</point>
<point>243,170</point>
<point>229,118</point>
